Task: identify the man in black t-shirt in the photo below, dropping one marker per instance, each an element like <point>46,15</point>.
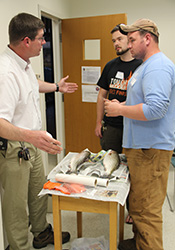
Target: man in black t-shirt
<point>113,85</point>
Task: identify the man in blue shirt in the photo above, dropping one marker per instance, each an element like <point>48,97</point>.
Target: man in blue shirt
<point>148,138</point>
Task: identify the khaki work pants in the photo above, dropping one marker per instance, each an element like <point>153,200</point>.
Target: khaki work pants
<point>149,170</point>
<point>21,204</point>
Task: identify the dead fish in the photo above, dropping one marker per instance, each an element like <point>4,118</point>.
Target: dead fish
<point>111,161</point>
<point>78,159</point>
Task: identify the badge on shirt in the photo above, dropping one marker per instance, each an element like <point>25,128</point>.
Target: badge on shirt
<point>133,81</point>
<point>119,75</point>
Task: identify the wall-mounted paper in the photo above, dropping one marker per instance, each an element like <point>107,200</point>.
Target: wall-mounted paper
<point>92,49</point>
<point>90,93</point>
<point>90,75</point>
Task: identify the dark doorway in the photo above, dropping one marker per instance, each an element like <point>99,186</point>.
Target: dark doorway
<point>49,76</point>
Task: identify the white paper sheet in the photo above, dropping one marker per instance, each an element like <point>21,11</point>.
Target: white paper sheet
<point>90,74</point>
<point>90,93</point>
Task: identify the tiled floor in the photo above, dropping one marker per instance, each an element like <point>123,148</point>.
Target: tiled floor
<point>95,225</point>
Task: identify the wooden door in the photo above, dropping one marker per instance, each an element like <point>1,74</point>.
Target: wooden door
<point>80,117</point>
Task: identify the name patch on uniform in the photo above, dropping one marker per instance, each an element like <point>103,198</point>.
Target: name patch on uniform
<point>133,81</point>
<point>120,75</point>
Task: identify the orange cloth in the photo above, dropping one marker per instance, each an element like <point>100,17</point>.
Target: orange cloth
<point>66,188</point>
<point>51,185</point>
<point>56,186</point>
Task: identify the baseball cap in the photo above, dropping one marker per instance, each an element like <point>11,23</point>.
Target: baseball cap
<point>144,24</point>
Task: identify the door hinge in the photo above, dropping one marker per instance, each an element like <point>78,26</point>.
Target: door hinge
<point>64,151</point>
<point>60,37</point>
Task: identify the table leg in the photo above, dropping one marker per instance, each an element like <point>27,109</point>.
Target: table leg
<point>79,224</point>
<point>121,222</point>
<point>57,222</point>
<point>113,226</point>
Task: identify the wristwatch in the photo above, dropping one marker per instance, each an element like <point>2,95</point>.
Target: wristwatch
<point>57,89</point>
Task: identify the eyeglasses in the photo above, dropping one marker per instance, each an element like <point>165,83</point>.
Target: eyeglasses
<point>38,38</point>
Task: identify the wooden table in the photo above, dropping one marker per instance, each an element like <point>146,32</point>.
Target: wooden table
<point>86,205</point>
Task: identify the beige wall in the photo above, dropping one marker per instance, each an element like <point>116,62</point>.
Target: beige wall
<point>160,11</point>
<point>9,8</point>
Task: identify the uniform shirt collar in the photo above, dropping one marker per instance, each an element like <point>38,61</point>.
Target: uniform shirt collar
<point>22,63</point>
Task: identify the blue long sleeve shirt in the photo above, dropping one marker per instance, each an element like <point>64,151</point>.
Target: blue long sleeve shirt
<point>152,84</point>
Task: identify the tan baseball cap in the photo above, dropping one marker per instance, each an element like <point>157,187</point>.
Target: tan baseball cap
<point>144,24</point>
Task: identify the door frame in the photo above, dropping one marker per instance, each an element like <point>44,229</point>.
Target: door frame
<point>59,104</point>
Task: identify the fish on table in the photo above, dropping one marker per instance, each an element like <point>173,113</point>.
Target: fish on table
<point>111,162</point>
<point>78,159</point>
